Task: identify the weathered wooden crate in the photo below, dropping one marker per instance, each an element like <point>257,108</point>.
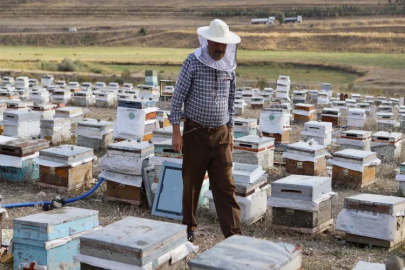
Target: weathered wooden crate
<point>22,147</point>
<point>331,115</point>
<point>355,139</point>
<point>255,150</point>
<point>385,223</point>
<point>305,159</point>
<point>51,239</point>
<point>124,187</point>
<point>353,168</point>
<point>142,243</point>
<point>241,252</point>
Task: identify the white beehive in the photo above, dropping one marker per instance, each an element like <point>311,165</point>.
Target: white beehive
<point>355,139</point>
<point>254,150</point>
<point>323,98</point>
<point>339,104</point>
<point>385,109</point>
<point>356,117</point>
<point>83,98</point>
<point>21,123</point>
<point>46,111</point>
<point>56,130</point>
<point>60,96</point>
<point>104,99</point>
<point>386,121</point>
<point>387,145</point>
<point>163,134</point>
<point>356,97</point>
<point>75,114</point>
<point>244,126</point>
<point>239,106</point>
<point>364,106</point>
<point>321,132</point>
<point>275,121</point>
<point>351,103</point>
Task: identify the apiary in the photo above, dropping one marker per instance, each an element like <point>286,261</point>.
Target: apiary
<point>356,97</point>
<point>387,145</point>
<point>123,166</point>
<point>351,103</point>
<point>331,115</point>
<point>104,99</point>
<point>251,192</point>
<point>356,117</point>
<point>254,150</point>
<point>321,132</point>
<point>304,112</point>
<point>83,98</point>
<point>21,123</point>
<point>373,219</point>
<point>355,139</point>
<point>298,97</point>
<point>275,123</point>
<point>162,117</point>
<point>9,95</point>
<point>256,103</point>
<point>237,252</point>
<point>385,109</point>
<point>341,105</point>
<point>323,98</point>
<point>244,126</point>
<point>56,130</point>
<point>144,244</point>
<point>239,107</point>
<point>313,95</point>
<point>364,106</point>
<point>380,100</point>
<point>46,111</point>
<point>94,134</point>
<point>61,96</point>
<point>65,167</point>
<point>302,203</point>
<point>16,159</point>
<point>353,168</point>
<point>163,134</point>
<point>386,121</point>
<point>75,114</point>
<point>51,239</point>
<point>305,158</point>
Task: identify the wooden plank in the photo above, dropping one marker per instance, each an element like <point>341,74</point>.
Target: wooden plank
<point>317,230</point>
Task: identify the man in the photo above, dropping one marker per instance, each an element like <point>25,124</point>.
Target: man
<point>206,86</point>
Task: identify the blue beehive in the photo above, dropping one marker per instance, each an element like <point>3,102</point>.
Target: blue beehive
<point>51,238</point>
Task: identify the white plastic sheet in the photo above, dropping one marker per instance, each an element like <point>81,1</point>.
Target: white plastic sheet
<point>354,167</point>
<point>15,162</point>
<point>130,122</point>
<point>122,164</point>
<point>311,206</point>
<point>369,224</point>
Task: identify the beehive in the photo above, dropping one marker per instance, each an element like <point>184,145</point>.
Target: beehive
<point>386,121</point>
<point>321,132</point>
<point>162,117</point>
<point>353,168</point>
<point>9,95</point>
<point>365,107</point>
<point>237,252</point>
<point>400,177</point>
<point>40,97</point>
<point>255,150</point>
<point>51,239</point>
<point>144,243</point>
<point>244,126</point>
<point>355,139</point>
<point>323,98</point>
<point>163,134</point>
<point>275,123</point>
<point>380,100</point>
<point>83,98</point>
<point>17,105</point>
<point>239,107</point>
<point>56,130</point>
<point>373,219</point>
<point>387,145</point>
<point>46,111</point>
<point>303,113</point>
<point>94,134</point>
<point>104,99</point>
<point>356,117</point>
<point>256,103</point>
<point>305,158</point>
<point>61,96</point>
<point>65,167</point>
<point>299,97</point>
<point>331,115</point>
<point>351,103</point>
<point>313,95</point>
<point>341,105</point>
<point>356,97</point>
<point>385,109</point>
<point>302,203</point>
<point>75,114</point>
<point>21,123</point>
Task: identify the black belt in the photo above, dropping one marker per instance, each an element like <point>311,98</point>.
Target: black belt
<point>208,129</point>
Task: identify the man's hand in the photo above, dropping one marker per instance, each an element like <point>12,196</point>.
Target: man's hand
<point>177,140</point>
<point>230,129</point>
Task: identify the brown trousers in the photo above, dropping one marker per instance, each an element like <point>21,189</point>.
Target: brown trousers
<point>209,151</point>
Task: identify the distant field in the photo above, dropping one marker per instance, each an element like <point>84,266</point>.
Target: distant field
<point>168,56</point>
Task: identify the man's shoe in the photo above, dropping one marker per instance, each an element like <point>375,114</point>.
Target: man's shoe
<point>190,236</point>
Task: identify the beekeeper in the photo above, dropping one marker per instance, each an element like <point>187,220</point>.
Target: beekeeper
<point>206,87</point>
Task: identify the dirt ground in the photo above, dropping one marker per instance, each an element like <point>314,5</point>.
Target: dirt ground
<point>325,251</point>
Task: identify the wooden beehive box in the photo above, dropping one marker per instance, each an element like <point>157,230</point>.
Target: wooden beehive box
<point>373,219</point>
<point>255,150</point>
<point>56,130</point>
<point>244,126</point>
<point>22,147</point>
<point>51,238</point>
<point>65,167</point>
<point>302,203</point>
<point>94,134</point>
<point>256,103</point>
<point>275,123</point>
<point>353,168</point>
<point>303,112</point>
<point>75,114</point>
<point>321,132</point>
<point>356,117</point>
<point>387,145</point>
<point>238,252</point>
<point>355,139</point>
<point>305,159</point>
<point>142,243</point>
<point>331,115</point>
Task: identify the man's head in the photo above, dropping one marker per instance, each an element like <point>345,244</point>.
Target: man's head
<point>216,50</point>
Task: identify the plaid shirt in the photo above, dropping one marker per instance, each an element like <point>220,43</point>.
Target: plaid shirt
<point>208,95</point>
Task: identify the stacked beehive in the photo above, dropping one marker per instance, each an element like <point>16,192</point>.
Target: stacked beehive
<point>299,97</point>
<point>123,165</point>
<point>331,115</point>
<point>56,130</point>
<point>61,97</point>
<point>356,117</point>
<point>40,96</point>
<point>302,203</point>
<point>304,112</point>
<point>104,99</point>
<point>163,134</point>
<point>400,177</point>
<point>254,150</point>
<point>83,98</point>
<point>94,134</point>
<point>355,139</point>
<point>283,88</point>
<point>323,98</point>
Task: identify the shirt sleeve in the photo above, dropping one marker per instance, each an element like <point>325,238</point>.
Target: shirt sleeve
<point>180,92</point>
<point>231,100</point>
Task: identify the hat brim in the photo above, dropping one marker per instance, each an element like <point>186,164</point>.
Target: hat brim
<point>231,39</point>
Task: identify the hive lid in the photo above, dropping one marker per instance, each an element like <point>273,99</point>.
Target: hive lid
<point>375,203</point>
<point>318,126</point>
<point>305,146</point>
<point>69,110</point>
<point>44,107</point>
<point>253,141</point>
<point>352,155</point>
<point>67,154</point>
<point>93,123</point>
<point>303,181</point>
<point>386,136</point>
<point>241,253</point>
<point>356,134</point>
